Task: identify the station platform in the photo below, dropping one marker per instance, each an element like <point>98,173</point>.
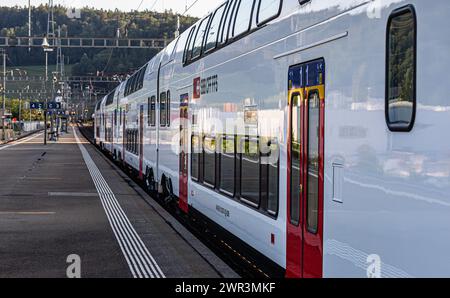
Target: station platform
<point>66,201</point>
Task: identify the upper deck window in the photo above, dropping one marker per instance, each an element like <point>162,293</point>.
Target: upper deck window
<point>268,10</point>
<point>168,55</point>
<point>189,45</point>
<point>401,70</point>
<point>227,21</point>
<point>213,33</point>
<point>197,46</point>
<point>243,17</point>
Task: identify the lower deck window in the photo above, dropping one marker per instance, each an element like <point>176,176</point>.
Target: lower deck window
<point>227,165</point>
<point>131,141</point>
<point>209,163</point>
<point>250,172</point>
<point>195,157</point>
<point>270,182</point>
<point>163,109</point>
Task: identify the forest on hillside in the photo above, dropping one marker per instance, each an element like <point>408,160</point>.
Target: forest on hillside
<point>93,23</point>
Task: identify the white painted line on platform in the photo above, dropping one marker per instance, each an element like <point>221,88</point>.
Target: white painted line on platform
<point>140,261</point>
<point>25,213</point>
<point>72,194</point>
<point>21,141</point>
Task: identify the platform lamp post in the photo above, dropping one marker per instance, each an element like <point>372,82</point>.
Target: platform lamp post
<point>47,49</point>
<point>20,108</point>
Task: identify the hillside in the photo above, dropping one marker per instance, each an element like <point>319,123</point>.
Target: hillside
<point>93,23</point>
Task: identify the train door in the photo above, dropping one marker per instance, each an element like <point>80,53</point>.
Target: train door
<point>184,152</point>
<point>141,142</point>
<point>304,255</point>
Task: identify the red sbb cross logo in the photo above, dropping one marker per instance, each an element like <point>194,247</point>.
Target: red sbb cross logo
<point>197,88</point>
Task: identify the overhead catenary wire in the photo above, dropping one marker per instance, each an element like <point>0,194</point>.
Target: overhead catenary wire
<point>140,4</point>
<point>154,4</point>
<point>190,6</point>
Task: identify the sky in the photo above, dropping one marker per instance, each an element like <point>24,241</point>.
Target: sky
<point>201,8</point>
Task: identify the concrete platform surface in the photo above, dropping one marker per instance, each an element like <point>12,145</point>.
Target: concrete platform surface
<point>66,209</point>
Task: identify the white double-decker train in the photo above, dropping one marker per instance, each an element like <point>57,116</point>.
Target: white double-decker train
<point>315,132</point>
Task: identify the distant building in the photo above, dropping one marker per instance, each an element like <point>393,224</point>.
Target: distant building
<point>74,13</point>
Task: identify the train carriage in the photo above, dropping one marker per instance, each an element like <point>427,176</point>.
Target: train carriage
<point>312,131</point>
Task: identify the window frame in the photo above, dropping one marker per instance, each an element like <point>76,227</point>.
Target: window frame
<point>141,78</point>
<point>222,40</point>
<point>161,111</point>
<point>186,47</point>
<point>208,20</point>
<point>240,35</point>
<point>168,110</point>
<point>295,221</point>
<point>133,83</point>
<point>200,156</point>
<point>396,13</point>
<point>221,190</point>
<point>209,184</point>
<point>315,229</point>
<point>263,22</point>
<point>188,56</point>
<point>242,199</point>
<point>268,180</point>
<point>151,111</point>
<point>216,42</point>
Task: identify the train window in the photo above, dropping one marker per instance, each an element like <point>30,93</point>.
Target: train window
<point>209,161</point>
<point>227,165</point>
<point>197,46</point>
<point>401,70</point>
<point>226,22</point>
<point>170,49</point>
<point>213,31</point>
<point>187,49</point>
<point>295,182</point>
<point>149,111</point>
<point>168,108</point>
<point>162,109</point>
<point>137,141</point>
<point>250,172</point>
<point>115,117</point>
<point>133,140</point>
<point>152,111</point>
<point>268,10</point>
<point>141,78</point>
<point>138,80</point>
<point>132,84</point>
<point>270,176</point>
<point>195,157</point>
<point>313,162</point>
<point>126,88</point>
<point>243,19</point>
<point>110,98</point>
<point>174,51</point>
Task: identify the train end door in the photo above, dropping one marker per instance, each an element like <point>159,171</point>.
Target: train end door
<point>184,152</point>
